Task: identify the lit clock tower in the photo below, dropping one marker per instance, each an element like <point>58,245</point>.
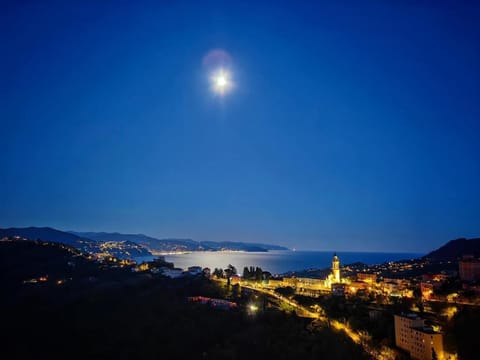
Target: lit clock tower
<point>336,269</point>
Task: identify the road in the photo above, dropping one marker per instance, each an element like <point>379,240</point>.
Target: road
<point>384,353</point>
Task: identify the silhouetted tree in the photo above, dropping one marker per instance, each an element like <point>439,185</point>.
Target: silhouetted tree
<point>258,274</point>
<point>246,273</point>
<point>229,272</point>
<point>218,273</point>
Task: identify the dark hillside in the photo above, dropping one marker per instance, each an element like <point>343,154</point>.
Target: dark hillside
<point>455,249</point>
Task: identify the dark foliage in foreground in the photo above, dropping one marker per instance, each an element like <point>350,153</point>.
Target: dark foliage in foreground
<point>153,320</point>
<point>150,318</point>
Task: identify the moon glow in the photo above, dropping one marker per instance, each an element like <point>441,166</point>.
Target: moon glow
<point>221,82</point>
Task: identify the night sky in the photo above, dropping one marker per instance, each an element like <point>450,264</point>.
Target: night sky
<point>350,127</point>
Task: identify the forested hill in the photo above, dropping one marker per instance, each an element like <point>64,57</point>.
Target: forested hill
<point>122,249</point>
<point>455,249</point>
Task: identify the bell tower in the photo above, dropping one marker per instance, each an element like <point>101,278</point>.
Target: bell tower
<point>335,269</point>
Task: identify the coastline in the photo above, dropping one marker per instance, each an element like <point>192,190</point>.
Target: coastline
<point>276,261</point>
<point>163,253</point>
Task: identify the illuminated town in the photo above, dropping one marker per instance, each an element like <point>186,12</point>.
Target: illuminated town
<point>412,334</point>
<point>425,300</point>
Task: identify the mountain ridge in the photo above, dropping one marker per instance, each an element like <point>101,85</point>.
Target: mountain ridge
<point>454,249</point>
<point>47,234</point>
<point>121,249</point>
<point>130,244</point>
<point>180,244</point>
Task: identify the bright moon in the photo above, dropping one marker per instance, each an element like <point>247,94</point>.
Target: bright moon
<point>221,82</point>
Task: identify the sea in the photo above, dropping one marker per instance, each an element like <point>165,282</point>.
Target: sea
<point>278,262</point>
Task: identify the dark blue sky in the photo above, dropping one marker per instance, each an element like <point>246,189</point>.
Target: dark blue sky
<point>351,127</point>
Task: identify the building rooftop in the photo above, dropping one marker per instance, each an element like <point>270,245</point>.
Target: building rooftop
<point>412,316</point>
<point>425,329</point>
